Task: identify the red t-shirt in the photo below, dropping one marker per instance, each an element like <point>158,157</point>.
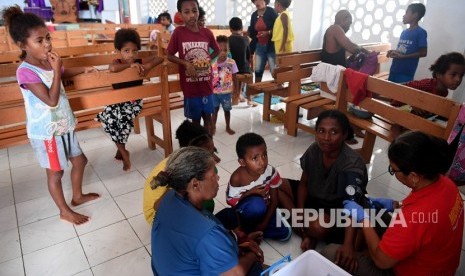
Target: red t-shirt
<point>432,241</point>
<point>194,47</point>
<point>261,27</point>
<point>427,85</point>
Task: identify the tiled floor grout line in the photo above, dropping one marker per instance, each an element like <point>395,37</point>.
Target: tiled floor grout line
<point>16,214</point>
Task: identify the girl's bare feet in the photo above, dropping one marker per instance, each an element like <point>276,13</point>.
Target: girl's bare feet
<point>126,161</point>
<point>74,218</point>
<point>118,156</point>
<point>84,198</point>
<point>230,131</point>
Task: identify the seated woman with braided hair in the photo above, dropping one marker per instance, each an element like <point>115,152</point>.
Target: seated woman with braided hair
<point>188,134</point>
<point>186,239</point>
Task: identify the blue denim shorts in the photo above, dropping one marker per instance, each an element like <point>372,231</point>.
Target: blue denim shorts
<point>225,100</point>
<point>194,107</point>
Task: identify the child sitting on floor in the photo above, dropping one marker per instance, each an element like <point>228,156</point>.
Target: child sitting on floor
<point>253,190</point>
<point>117,119</point>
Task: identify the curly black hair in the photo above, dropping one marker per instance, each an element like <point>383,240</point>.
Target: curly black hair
<point>442,64</point>
<point>123,36</point>
<point>284,3</point>
<point>222,38</point>
<point>235,24</point>
<point>246,141</point>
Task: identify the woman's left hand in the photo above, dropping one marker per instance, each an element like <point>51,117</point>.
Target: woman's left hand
<point>263,33</point>
<point>253,247</point>
<point>346,258</point>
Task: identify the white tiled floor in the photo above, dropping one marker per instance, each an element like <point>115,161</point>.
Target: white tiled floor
<point>34,241</point>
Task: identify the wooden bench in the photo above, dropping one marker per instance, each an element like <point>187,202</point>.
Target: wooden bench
<point>5,41</point>
<point>87,94</point>
<point>9,69</point>
<point>385,115</point>
<point>74,51</point>
<point>311,102</point>
<point>293,69</point>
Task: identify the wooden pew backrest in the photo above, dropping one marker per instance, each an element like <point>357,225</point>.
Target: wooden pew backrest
<point>441,106</point>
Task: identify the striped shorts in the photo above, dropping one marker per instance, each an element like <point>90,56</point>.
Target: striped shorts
<point>54,154</point>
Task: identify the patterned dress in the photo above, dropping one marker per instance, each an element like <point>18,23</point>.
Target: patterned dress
<point>118,119</point>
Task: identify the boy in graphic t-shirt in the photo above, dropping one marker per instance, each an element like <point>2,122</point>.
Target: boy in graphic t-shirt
<point>224,68</point>
<point>192,45</point>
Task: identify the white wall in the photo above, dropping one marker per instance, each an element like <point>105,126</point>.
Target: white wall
<point>444,22</point>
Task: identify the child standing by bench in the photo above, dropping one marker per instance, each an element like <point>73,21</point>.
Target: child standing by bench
<point>224,69</point>
<point>240,52</point>
<point>118,119</point>
<point>195,72</point>
<point>50,120</point>
<point>283,34</point>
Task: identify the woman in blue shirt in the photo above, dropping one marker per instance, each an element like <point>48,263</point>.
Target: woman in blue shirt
<point>186,239</point>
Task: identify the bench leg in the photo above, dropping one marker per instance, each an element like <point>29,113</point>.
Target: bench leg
<point>167,141</point>
<point>266,106</point>
<point>292,115</point>
<point>150,132</point>
<point>312,113</point>
<point>136,125</point>
<point>367,147</point>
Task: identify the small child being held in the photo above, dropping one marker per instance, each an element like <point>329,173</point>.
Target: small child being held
<point>283,34</point>
<point>50,120</point>
<point>411,47</point>
<point>224,69</point>
<point>192,43</point>
<point>253,190</point>
<point>118,119</point>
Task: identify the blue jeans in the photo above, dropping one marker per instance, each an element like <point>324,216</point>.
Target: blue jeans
<point>251,211</point>
<point>262,55</point>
